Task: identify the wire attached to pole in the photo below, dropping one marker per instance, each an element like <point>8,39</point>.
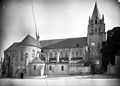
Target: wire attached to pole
<point>34,17</point>
<point>36,31</point>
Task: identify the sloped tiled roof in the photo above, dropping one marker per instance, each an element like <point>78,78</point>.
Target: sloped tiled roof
<point>15,44</point>
<point>37,60</point>
<point>45,43</point>
<point>30,41</point>
<point>64,43</point>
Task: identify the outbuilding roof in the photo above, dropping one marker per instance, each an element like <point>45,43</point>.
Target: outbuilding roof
<point>37,60</point>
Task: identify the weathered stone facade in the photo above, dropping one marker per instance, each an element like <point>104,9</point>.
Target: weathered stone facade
<point>19,58</point>
<point>64,61</point>
<point>31,57</point>
<point>96,35</point>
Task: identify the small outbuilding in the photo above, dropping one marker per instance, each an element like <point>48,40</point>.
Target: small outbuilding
<point>36,67</point>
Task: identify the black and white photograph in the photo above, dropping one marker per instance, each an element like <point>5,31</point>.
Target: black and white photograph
<point>59,42</point>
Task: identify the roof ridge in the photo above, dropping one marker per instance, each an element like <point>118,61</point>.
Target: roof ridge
<point>62,38</point>
<point>12,45</point>
<point>30,41</point>
<point>68,43</point>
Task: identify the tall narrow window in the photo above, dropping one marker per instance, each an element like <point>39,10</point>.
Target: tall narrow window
<point>61,55</point>
<point>50,54</point>
<point>66,54</point>
<point>95,21</point>
<point>38,54</point>
<point>50,68</point>
<point>33,53</point>
<point>21,55</point>
<point>99,29</point>
<point>95,30</point>
<point>77,54</point>
<point>55,54</point>
<point>92,30</point>
<point>26,55</point>
<point>62,68</point>
<point>34,67</point>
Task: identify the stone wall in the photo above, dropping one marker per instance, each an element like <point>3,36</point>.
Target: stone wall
<point>64,53</point>
<point>35,69</point>
<point>79,70</point>
<point>28,53</point>
<point>56,69</point>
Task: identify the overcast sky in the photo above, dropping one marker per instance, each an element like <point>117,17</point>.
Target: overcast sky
<point>55,18</point>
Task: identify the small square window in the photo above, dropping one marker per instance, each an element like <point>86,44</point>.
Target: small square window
<point>92,43</point>
<point>77,45</point>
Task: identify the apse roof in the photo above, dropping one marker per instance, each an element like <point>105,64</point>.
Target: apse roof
<point>30,41</point>
<point>13,46</point>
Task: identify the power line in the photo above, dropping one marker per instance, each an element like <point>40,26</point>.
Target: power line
<point>34,17</point>
<point>36,30</point>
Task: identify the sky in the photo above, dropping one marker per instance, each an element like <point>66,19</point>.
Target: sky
<point>55,19</point>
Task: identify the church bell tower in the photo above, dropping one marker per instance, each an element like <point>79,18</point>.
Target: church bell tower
<point>96,34</point>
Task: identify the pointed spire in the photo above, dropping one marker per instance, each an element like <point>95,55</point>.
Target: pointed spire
<point>37,36</point>
<point>96,12</point>
<point>103,17</point>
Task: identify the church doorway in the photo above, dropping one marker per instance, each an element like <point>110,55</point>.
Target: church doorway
<point>21,75</point>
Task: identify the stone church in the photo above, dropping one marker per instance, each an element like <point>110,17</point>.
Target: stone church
<point>32,57</point>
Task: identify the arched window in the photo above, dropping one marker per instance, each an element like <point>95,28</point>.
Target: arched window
<point>55,54</point>
<point>38,54</point>
<point>92,30</point>
<point>95,30</point>
<point>92,43</point>
<point>77,54</point>
<point>62,68</point>
<point>33,53</point>
<point>66,54</point>
<point>61,54</point>
<point>77,45</point>
<point>50,68</point>
<point>99,29</point>
<point>50,55</point>
<point>26,55</point>
<point>95,21</point>
<point>34,67</point>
